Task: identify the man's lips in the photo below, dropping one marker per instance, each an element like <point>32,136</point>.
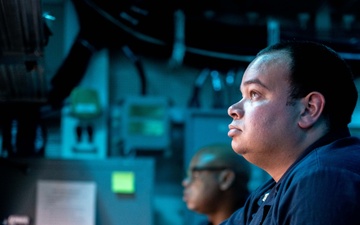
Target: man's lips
<point>185,196</point>
<point>233,130</point>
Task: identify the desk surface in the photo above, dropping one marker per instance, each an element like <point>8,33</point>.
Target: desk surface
<point>19,178</point>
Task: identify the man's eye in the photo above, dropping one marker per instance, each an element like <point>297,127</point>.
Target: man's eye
<point>253,95</point>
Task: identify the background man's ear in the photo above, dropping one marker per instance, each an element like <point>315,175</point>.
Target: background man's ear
<point>226,179</point>
<point>314,104</point>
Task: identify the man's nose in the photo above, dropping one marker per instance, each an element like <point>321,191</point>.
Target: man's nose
<point>235,111</point>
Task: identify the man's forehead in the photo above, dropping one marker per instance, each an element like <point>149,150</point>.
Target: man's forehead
<point>204,159</point>
<point>274,64</point>
<point>271,59</point>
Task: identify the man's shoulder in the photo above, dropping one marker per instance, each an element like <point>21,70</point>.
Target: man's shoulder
<point>235,218</point>
<point>337,161</point>
<point>205,222</point>
<point>342,154</point>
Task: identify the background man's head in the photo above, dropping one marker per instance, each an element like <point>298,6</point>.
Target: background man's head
<point>217,179</point>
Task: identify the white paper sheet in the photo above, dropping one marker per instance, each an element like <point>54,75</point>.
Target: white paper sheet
<point>65,202</point>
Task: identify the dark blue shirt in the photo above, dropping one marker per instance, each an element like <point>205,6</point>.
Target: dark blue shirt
<point>205,222</point>
<point>321,188</point>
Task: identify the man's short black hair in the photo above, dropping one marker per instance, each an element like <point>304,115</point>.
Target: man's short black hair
<point>316,67</point>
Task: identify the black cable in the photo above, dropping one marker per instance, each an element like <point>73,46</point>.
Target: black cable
<point>139,66</point>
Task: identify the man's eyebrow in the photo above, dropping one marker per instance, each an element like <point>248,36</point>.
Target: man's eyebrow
<point>255,81</point>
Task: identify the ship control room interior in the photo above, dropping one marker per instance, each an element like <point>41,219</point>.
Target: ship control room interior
<point>104,102</point>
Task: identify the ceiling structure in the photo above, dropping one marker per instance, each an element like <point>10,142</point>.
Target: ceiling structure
<point>215,32</point>
<point>223,33</point>
<point>23,37</point>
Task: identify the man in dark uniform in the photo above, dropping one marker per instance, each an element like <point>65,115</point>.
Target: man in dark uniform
<point>292,121</point>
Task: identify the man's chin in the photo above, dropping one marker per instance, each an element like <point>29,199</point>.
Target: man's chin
<point>190,206</point>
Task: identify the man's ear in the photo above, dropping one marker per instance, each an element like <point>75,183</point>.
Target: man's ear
<point>313,104</point>
<point>226,179</point>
